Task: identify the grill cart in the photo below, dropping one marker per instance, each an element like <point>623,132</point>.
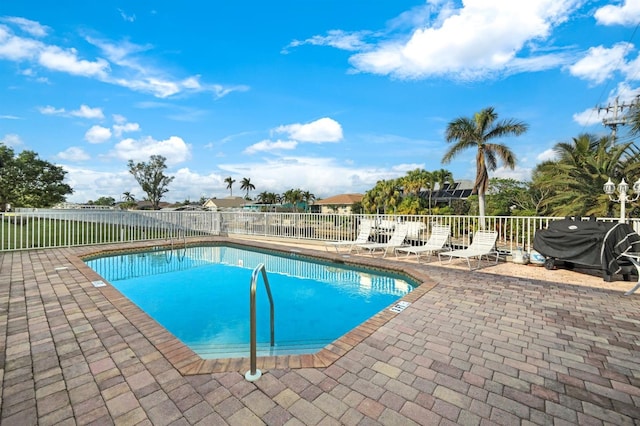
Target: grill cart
<point>588,243</point>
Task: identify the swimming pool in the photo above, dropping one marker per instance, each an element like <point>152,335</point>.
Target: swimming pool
<point>201,295</point>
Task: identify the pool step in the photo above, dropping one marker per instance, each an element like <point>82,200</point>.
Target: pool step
<point>213,351</point>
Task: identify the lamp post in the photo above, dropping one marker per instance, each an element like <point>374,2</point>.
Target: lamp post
<point>623,187</point>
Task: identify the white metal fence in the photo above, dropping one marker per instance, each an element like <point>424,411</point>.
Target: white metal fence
<point>43,228</point>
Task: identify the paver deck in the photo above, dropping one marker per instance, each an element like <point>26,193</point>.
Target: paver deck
<point>473,348</point>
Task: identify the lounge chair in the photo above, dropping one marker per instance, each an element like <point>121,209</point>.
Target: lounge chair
<point>436,242</point>
<point>396,240</point>
<point>483,244</point>
<point>366,226</point>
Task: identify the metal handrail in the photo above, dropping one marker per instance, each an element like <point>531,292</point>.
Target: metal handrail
<point>254,374</point>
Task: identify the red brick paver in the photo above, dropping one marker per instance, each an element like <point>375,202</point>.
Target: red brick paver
<point>472,348</point>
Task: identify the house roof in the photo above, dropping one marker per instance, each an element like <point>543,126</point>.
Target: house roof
<point>342,199</point>
<point>223,203</point>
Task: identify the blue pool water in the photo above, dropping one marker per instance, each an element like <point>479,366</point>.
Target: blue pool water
<point>201,295</point>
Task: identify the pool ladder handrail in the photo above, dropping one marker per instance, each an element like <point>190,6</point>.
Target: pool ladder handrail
<point>169,253</point>
<point>254,374</point>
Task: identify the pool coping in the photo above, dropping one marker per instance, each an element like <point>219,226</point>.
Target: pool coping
<point>188,362</point>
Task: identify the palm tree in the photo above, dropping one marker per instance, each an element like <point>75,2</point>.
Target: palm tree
<point>127,197</point>
<point>478,132</point>
<point>415,181</point>
<point>293,196</point>
<point>230,183</point>
<point>308,199</point>
<point>575,180</point>
<point>247,186</point>
<point>440,177</point>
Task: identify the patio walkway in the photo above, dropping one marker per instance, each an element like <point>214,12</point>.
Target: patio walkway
<point>473,348</point>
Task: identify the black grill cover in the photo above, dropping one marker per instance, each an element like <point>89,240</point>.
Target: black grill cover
<point>589,243</point>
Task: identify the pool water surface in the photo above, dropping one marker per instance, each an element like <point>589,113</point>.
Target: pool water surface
<point>201,295</point>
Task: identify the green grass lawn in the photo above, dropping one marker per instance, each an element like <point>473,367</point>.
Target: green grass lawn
<point>20,233</point>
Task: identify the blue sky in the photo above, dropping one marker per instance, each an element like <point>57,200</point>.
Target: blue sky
<point>329,96</point>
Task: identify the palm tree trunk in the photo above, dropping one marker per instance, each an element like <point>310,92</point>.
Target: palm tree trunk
<point>481,209</point>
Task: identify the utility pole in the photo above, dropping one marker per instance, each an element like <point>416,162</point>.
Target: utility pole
<point>618,119</point>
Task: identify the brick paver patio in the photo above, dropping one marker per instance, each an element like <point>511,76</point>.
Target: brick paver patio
<point>473,348</point>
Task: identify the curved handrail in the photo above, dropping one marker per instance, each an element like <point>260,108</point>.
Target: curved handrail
<point>254,374</point>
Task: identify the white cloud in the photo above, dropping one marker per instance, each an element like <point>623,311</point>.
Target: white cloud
<point>588,117</point>
<point>600,63</point>
<point>547,155</point>
<point>16,48</point>
<point>31,27</point>
<point>73,153</point>
<point>119,129</point>
<point>123,65</point>
<point>268,145</point>
<point>11,140</point>
<point>90,184</point>
<point>321,176</point>
<point>127,17</point>
<point>88,112</point>
<point>50,110</point>
<point>518,173</point>
<point>623,94</point>
<point>322,130</point>
<point>122,126</point>
<point>174,149</point>
<point>97,134</point>
<point>478,40</point>
<point>192,185</point>
<point>335,38</point>
<point>628,13</point>
<point>66,60</point>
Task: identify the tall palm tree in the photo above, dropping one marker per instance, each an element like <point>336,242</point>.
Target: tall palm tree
<point>478,132</point>
<point>246,185</point>
<point>230,183</point>
<point>127,197</point>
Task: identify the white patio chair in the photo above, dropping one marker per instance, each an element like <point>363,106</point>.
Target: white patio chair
<point>396,240</point>
<point>436,242</point>
<point>366,226</point>
<point>483,244</point>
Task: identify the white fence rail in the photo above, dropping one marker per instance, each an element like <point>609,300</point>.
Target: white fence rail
<point>43,228</point>
<point>514,231</point>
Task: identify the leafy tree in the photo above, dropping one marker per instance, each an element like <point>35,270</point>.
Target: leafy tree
<point>26,180</point>
<point>151,178</point>
<point>247,186</point>
<point>104,201</point>
<point>509,197</point>
<point>411,204</point>
<point>478,132</point>
<point>229,181</point>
